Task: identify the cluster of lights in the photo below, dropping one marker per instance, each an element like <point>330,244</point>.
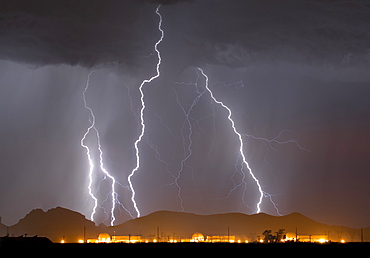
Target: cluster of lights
<point>109,240</point>
<point>197,238</point>
<point>80,241</point>
<point>322,241</point>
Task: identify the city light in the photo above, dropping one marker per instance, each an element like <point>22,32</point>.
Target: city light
<point>322,240</point>
<point>197,238</point>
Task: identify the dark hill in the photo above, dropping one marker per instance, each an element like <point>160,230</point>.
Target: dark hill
<point>54,224</point>
<point>59,222</point>
<point>241,225</point>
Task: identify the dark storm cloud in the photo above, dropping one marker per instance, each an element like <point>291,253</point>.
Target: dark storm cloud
<point>240,33</point>
<point>169,2</point>
<point>233,33</point>
<point>76,32</point>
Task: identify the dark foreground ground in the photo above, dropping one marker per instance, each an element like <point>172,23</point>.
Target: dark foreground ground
<point>167,249</point>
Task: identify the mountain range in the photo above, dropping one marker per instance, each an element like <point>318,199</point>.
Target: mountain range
<point>60,223</point>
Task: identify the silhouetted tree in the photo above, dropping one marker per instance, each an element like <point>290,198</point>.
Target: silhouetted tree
<point>280,235</point>
<point>268,237</point>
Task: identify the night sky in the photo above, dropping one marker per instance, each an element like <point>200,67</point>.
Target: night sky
<point>295,75</point>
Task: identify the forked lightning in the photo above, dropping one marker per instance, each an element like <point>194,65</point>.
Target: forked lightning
<point>142,122</point>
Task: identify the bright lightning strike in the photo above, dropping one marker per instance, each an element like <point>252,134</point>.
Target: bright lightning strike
<point>142,122</point>
<point>91,163</point>
<point>113,192</point>
<point>229,117</point>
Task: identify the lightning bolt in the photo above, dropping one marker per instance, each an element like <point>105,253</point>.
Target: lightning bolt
<point>276,140</point>
<point>187,150</point>
<point>101,163</point>
<point>241,161</point>
<point>142,122</point>
<point>113,192</point>
<point>91,162</point>
<point>244,163</point>
<point>241,164</point>
<point>241,143</point>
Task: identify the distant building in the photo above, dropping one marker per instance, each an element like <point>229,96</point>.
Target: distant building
<point>197,237</point>
<point>126,239</point>
<point>102,238</point>
<point>222,239</point>
<point>106,238</point>
<point>290,236</point>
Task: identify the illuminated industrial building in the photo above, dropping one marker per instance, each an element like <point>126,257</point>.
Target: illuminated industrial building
<point>221,239</point>
<point>199,237</point>
<point>196,237</point>
<point>290,236</point>
<point>126,239</point>
<point>106,238</point>
<point>102,238</point>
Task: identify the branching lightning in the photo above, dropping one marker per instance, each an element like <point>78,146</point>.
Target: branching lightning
<point>241,165</point>
<point>142,122</point>
<point>91,163</point>
<point>241,146</point>
<point>187,141</point>
<point>276,140</point>
<point>113,192</point>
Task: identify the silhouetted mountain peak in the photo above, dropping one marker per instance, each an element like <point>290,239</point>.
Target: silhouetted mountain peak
<point>55,214</point>
<point>55,223</point>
